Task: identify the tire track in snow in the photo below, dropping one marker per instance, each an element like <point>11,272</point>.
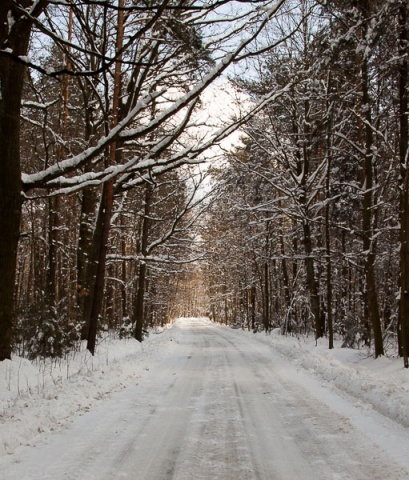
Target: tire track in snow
<point>220,407</point>
<point>306,428</point>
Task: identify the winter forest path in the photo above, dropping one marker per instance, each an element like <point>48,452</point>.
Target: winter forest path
<point>220,407</point>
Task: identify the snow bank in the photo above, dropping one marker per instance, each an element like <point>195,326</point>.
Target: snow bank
<point>381,384</point>
<point>42,396</point>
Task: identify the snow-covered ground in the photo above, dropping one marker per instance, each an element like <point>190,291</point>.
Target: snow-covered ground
<point>381,384</point>
<point>39,399</point>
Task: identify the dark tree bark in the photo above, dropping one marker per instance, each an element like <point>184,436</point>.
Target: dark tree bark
<point>11,86</point>
<point>403,74</point>
<point>310,278</point>
<point>287,325</point>
<point>139,304</point>
<point>107,200</point>
<point>124,275</point>
<point>86,259</point>
<point>371,295</point>
<point>53,238</point>
<point>303,170</point>
<point>368,214</point>
<point>253,306</point>
<point>86,248</point>
<point>330,320</point>
<point>103,226</point>
<point>266,312</point>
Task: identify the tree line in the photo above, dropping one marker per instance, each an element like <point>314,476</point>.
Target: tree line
<point>104,218</point>
<point>99,138</point>
<point>311,233</point>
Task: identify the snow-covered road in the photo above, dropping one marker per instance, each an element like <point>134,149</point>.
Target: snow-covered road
<point>220,406</point>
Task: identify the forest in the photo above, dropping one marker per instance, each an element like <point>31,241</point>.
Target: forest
<point>123,209</point>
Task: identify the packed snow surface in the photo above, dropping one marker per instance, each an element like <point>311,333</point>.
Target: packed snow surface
<point>204,401</point>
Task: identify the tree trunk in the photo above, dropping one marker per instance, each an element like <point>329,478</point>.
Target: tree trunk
<point>330,321</point>
<point>86,255</point>
<point>253,306</point>
<point>266,313</point>
<point>404,199</point>
<point>11,79</point>
<point>86,259</point>
<point>286,282</point>
<point>15,37</point>
<point>368,216</point>
<point>303,167</point>
<point>311,280</point>
<point>53,239</point>
<point>124,276</point>
<point>139,304</point>
<point>103,225</point>
<point>106,205</point>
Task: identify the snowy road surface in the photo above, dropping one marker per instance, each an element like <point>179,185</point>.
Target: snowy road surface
<point>220,407</point>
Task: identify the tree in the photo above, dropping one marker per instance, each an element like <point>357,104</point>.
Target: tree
<point>403,79</point>
<point>368,202</point>
<point>327,154</point>
<point>155,55</point>
<point>14,37</point>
